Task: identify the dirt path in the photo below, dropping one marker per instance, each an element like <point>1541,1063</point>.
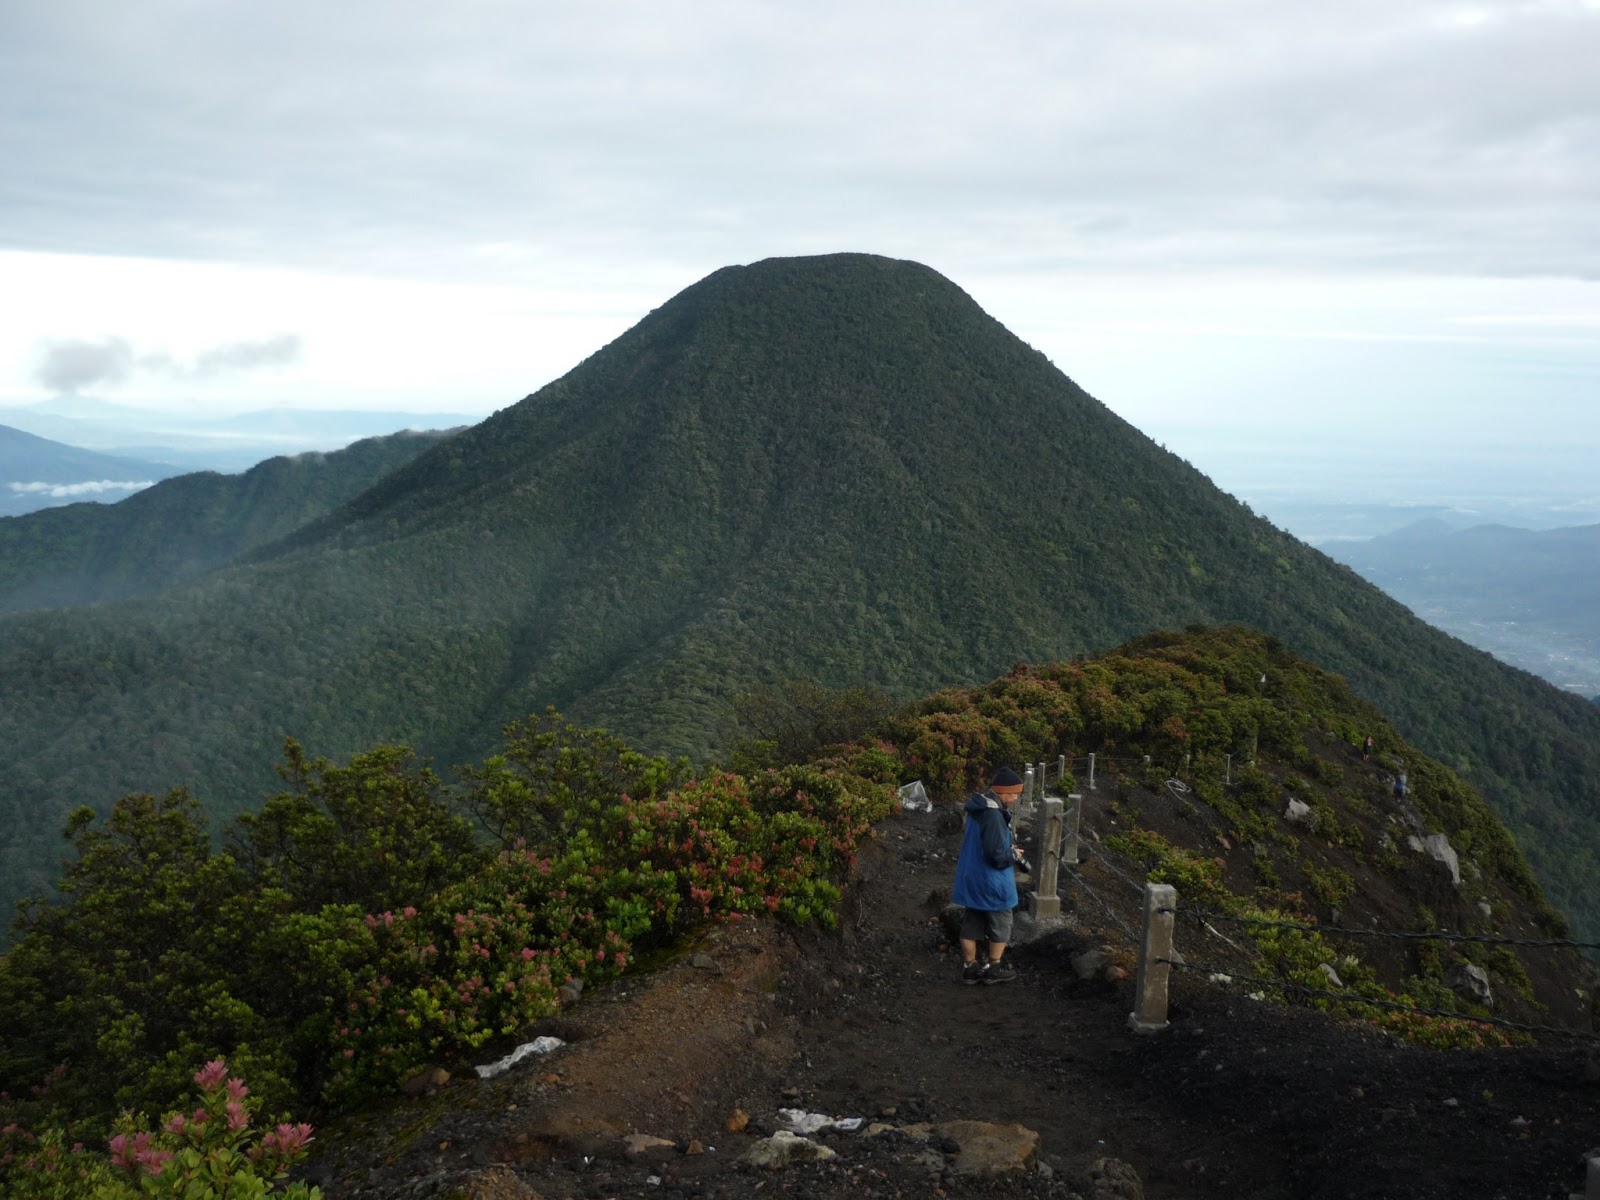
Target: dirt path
<point>1237,1099</point>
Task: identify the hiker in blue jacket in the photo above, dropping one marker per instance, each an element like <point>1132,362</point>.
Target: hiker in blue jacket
<point>986,885</point>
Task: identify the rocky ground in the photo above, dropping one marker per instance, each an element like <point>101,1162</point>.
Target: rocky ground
<point>672,1080</point>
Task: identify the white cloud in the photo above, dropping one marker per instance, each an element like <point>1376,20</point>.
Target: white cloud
<point>66,491</point>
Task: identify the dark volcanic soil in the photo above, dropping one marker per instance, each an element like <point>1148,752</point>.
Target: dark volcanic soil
<point>1237,1098</point>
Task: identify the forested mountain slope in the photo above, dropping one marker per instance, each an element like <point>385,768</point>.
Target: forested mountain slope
<point>837,467</point>
<point>184,526</point>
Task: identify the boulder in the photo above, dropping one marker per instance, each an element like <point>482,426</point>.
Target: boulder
<point>425,1082</point>
<point>1298,812</point>
<point>987,1149</point>
<point>950,922</point>
<point>643,1143</point>
<point>783,1148</point>
<point>1332,976</point>
<point>1088,963</point>
<point>1113,1179</point>
<point>1437,847</point>
<point>1470,982</point>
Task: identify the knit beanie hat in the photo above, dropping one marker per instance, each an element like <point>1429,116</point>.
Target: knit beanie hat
<point>1006,777</point>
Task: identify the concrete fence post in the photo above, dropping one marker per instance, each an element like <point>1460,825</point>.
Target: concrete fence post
<point>1227,769</point>
<point>1027,791</point>
<point>1149,1013</point>
<point>1061,766</point>
<point>1147,760</point>
<point>1072,822</point>
<point>1091,772</point>
<point>1042,900</point>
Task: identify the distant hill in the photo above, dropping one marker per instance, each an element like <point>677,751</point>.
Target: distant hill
<point>1527,596</point>
<point>36,473</point>
<point>182,527</point>
<point>834,467</point>
<point>189,442</point>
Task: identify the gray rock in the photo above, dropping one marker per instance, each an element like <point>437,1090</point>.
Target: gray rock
<point>1089,963</point>
<point>1414,843</point>
<point>1298,812</point>
<point>1437,847</point>
<point>703,962</point>
<point>987,1149</point>
<point>1486,909</point>
<point>1470,982</point>
<point>950,922</point>
<point>1332,975</point>
<point>425,1081</point>
<point>783,1148</point>
<point>1113,1179</point>
<point>642,1143</point>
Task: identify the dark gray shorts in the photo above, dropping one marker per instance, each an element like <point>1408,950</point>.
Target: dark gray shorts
<point>982,925</point>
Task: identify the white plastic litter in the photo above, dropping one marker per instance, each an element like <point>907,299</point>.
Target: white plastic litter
<point>914,797</point>
<point>539,1045</point>
<point>801,1121</point>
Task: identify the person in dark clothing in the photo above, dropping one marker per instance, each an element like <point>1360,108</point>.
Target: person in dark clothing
<point>986,885</point>
<point>1366,748</point>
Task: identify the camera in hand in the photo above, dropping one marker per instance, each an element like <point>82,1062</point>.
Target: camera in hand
<point>1022,864</point>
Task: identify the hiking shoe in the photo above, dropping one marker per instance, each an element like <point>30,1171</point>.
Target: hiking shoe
<point>999,972</point>
<point>974,972</point>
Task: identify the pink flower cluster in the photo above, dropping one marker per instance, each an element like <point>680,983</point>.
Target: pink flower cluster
<point>136,1154</point>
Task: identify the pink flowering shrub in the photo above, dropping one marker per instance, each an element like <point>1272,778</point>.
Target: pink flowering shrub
<point>212,1151</point>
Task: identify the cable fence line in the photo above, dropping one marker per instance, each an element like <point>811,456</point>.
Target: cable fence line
<point>1109,911</point>
<point>1225,976</point>
<point>1105,862</point>
<point>1436,935</point>
<point>1158,956</point>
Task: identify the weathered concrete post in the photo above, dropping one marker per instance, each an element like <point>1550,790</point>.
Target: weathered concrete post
<point>1227,769</point>
<point>1061,766</point>
<point>1073,821</point>
<point>1146,760</point>
<point>1149,1013</point>
<point>1091,772</point>
<point>1027,791</point>
<point>1042,900</point>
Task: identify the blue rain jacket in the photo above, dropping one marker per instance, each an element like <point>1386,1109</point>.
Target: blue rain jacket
<point>985,879</point>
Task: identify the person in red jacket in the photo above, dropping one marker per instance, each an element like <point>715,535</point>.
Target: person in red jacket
<point>986,885</point>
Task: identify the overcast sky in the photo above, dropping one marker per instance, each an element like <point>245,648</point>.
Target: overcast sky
<point>1237,222</point>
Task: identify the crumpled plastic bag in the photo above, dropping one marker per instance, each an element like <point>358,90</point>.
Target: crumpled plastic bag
<point>803,1122</point>
<point>539,1045</point>
<point>914,797</point>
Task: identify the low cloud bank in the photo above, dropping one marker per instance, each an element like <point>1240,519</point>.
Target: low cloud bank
<point>93,487</point>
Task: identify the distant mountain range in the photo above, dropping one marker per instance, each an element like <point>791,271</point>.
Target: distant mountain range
<point>1530,597</point>
<point>186,441</point>
<point>38,473</point>
<point>182,526</point>
<point>836,467</point>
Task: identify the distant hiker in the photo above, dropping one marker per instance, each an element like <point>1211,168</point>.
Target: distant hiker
<point>1366,748</point>
<point>1400,786</point>
<point>986,885</point>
